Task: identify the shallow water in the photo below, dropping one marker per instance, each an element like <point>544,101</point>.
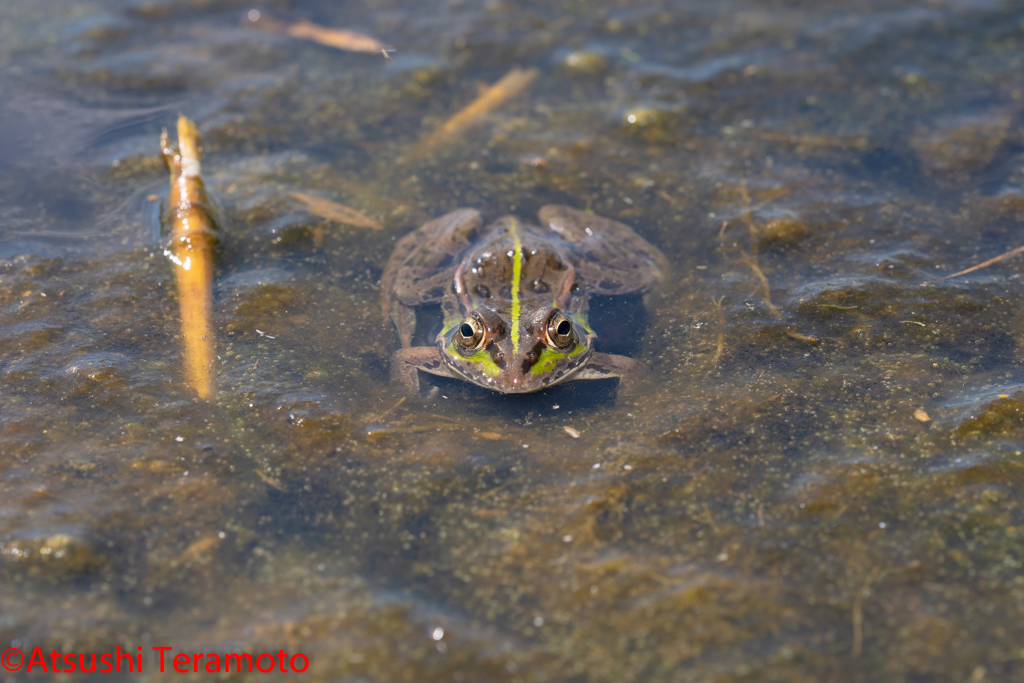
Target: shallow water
<point>820,481</point>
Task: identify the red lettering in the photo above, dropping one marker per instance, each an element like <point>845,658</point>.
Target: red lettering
<point>259,659</point>
<point>55,658</point>
<point>281,657</point>
<point>196,658</point>
<point>215,661</point>
<point>305,663</point>
<point>162,650</point>
<point>81,664</point>
<point>36,660</point>
<point>181,660</point>
<point>124,655</point>
<point>108,664</point>
<point>238,663</point>
<point>69,660</point>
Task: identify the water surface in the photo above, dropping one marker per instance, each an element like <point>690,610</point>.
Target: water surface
<point>819,482</point>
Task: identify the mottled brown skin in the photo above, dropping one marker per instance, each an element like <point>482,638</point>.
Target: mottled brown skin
<point>518,285</point>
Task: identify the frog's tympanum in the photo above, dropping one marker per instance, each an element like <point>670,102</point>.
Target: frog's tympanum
<point>514,296</point>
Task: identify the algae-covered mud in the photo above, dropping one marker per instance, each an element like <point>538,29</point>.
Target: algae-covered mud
<point>819,480</point>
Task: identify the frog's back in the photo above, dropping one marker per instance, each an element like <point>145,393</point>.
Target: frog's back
<point>570,256</point>
<point>421,266</point>
<point>517,260</point>
<point>611,259</point>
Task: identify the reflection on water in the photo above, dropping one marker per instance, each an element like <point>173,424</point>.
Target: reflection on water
<point>820,480</point>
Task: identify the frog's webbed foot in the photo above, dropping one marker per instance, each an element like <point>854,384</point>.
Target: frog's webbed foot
<point>607,366</point>
<point>406,364</point>
<point>404,375</point>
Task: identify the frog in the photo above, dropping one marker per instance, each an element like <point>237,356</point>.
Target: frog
<point>514,296</point>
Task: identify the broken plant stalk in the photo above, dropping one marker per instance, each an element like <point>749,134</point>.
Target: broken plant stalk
<point>192,250</point>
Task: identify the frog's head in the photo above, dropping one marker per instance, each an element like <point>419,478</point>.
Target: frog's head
<point>545,347</point>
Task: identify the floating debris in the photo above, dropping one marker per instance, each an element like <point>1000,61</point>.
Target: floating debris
<point>585,63</point>
<point>802,337</point>
<point>339,38</point>
<point>333,211</point>
<point>511,85</point>
<point>571,432</point>
<point>921,416</point>
<point>668,198</point>
<point>270,481</point>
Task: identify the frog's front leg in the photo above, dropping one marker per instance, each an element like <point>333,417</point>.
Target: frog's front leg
<point>608,365</point>
<point>406,364</point>
<point>420,269</point>
<point>404,318</point>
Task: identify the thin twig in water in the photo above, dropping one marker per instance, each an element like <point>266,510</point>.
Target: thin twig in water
<point>765,287</point>
<point>720,347</point>
<point>511,85</point>
<point>793,334</point>
<point>333,211</point>
<point>774,194</point>
<point>752,260</point>
<point>270,481</point>
<point>387,412</point>
<point>984,264</point>
<point>668,198</point>
<point>858,614</point>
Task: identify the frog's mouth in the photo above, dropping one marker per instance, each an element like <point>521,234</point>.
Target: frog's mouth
<point>550,368</point>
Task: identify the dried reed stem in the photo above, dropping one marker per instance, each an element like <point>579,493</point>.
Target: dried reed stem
<point>984,264</point>
<point>511,85</point>
<point>193,244</point>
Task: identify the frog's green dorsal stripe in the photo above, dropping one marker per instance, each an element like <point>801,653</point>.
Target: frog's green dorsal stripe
<point>517,274</point>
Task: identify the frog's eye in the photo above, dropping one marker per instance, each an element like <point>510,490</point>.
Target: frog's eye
<point>560,333</point>
<point>470,335</point>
